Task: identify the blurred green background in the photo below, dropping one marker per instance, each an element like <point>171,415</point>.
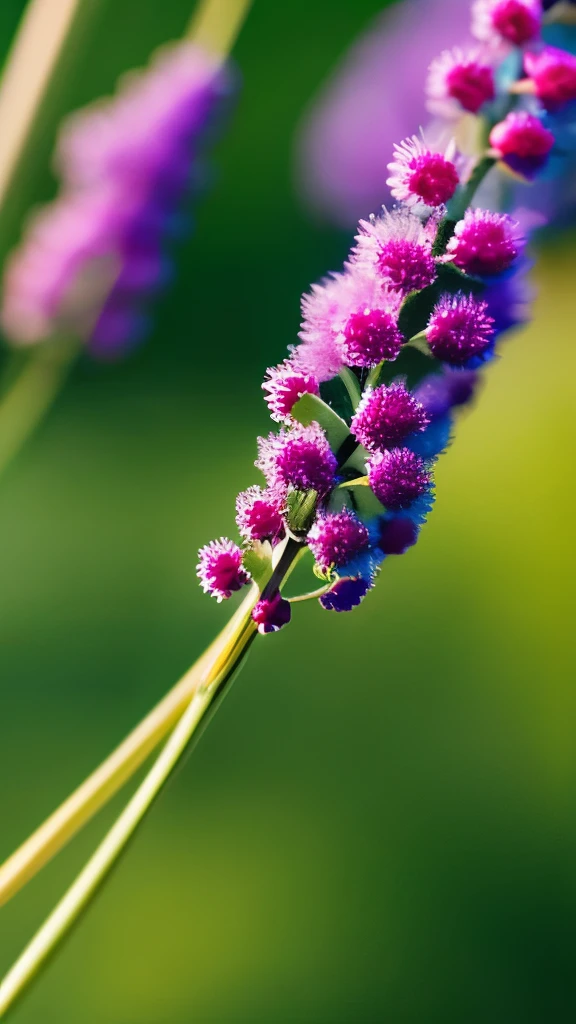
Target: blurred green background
<point>379,823</point>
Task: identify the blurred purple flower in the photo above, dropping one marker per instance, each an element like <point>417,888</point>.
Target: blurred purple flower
<point>90,260</point>
<point>375,98</point>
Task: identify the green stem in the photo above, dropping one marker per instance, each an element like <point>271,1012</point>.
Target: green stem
<point>31,393</point>
<point>459,204</point>
<point>86,885</point>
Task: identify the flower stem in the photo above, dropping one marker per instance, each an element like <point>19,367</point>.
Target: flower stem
<point>216,23</point>
<point>212,684</point>
<point>111,775</point>
<point>30,394</point>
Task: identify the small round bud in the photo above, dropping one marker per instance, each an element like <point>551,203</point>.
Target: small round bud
<point>386,416</point>
<point>485,243</point>
<point>271,614</point>
<point>522,142</point>
<point>419,175</point>
<point>220,568</point>
<point>460,330</point>
<point>336,538</point>
<point>398,477</point>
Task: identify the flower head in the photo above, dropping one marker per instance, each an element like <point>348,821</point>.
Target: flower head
<point>397,246</point>
<point>522,142</point>
<point>485,243</point>
<point>285,384</point>
<point>387,416</point>
<point>220,568</point>
<point>259,514</point>
<point>460,80</point>
<point>440,392</point>
<point>349,319</point>
<point>460,330</point>
<point>419,175</point>
<point>398,477</point>
<point>553,75</point>
<point>299,457</point>
<point>347,593</point>
<point>271,614</point>
<point>515,22</point>
<point>396,534</point>
<point>92,257</point>
<point>336,538</point>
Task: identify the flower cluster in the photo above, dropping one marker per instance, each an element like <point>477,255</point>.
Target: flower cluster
<point>91,258</point>
<point>391,346</point>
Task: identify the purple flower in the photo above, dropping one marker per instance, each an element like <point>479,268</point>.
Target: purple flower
<point>441,392</point>
<point>398,477</point>
<point>285,384</point>
<point>485,243</point>
<point>336,538</point>
<point>220,568</point>
<point>420,175</point>
<point>522,142</point>
<point>460,330</point>
<point>387,416</point>
<point>93,257</point>
<point>271,614</point>
<point>396,534</point>
<point>299,457</point>
<point>259,514</point>
<point>515,22</point>
<point>346,594</point>
<point>460,80</point>
<point>397,246</point>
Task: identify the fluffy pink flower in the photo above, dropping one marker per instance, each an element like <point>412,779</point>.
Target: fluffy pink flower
<point>485,243</point>
<point>553,76</point>
<point>522,142</point>
<point>419,175</point>
<point>220,568</point>
<point>515,22</point>
<point>285,384</point>
<point>397,246</point>
<point>299,457</point>
<point>350,319</point>
<point>259,514</point>
<point>460,80</point>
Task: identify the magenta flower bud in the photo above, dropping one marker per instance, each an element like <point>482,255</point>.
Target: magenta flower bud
<point>346,594</point>
<point>419,175</point>
<point>285,384</point>
<point>220,568</point>
<point>387,416</point>
<point>369,336</point>
<point>259,514</point>
<point>336,538</point>
<point>485,243</point>
<point>299,458</point>
<point>397,534</point>
<point>398,477</point>
<point>522,142</point>
<point>398,247</point>
<point>271,614</point>
<point>553,75</point>
<point>511,21</point>
<point>460,329</point>
<point>458,81</point>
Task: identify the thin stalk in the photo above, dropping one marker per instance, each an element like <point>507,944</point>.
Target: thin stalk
<point>111,775</point>
<point>30,395</point>
<point>82,891</point>
<point>216,24</point>
<point>41,36</point>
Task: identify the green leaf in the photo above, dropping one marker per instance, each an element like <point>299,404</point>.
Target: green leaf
<point>326,575</point>
<point>257,560</point>
<point>311,408</point>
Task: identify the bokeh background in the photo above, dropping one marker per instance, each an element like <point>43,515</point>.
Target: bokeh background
<point>379,823</point>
